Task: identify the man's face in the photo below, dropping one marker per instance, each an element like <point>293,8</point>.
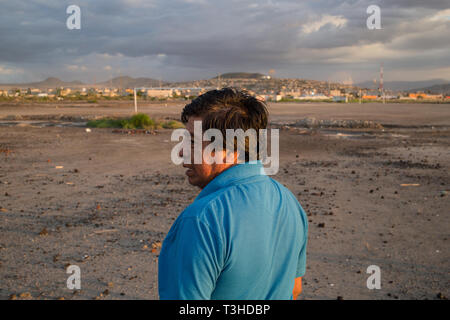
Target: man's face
<point>201,174</point>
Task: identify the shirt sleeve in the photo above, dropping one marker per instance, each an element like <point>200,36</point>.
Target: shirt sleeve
<point>301,264</point>
<point>195,261</point>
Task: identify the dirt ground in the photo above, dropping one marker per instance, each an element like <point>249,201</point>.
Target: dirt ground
<point>104,201</point>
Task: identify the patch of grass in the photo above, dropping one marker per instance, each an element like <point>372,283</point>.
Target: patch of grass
<point>172,124</point>
<point>138,121</point>
<point>106,123</point>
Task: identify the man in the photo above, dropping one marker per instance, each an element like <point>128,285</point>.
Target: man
<point>244,236</point>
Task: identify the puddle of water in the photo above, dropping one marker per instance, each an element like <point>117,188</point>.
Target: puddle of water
<point>362,135</point>
<point>41,124</point>
<point>349,135</point>
<point>393,135</point>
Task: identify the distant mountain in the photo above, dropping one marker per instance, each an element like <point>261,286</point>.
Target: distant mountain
<point>241,75</point>
<point>129,82</point>
<point>51,82</point>
<point>436,89</point>
<point>402,85</point>
<point>123,82</point>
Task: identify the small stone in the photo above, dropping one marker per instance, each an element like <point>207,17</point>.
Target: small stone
<point>25,295</point>
<point>43,232</point>
<point>156,245</point>
<point>441,296</point>
<point>321,225</point>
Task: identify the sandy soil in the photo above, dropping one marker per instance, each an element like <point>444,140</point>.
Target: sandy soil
<point>104,201</point>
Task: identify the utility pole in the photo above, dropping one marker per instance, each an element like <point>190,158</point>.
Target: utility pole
<point>120,83</point>
<point>382,83</point>
<point>135,101</point>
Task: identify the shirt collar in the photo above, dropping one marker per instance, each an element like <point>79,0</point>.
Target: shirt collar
<point>232,175</point>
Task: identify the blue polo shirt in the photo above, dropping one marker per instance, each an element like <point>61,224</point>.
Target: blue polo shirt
<point>244,237</point>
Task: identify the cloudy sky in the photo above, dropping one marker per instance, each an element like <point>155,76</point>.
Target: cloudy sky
<point>196,39</point>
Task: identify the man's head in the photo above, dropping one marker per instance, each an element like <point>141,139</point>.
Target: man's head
<point>223,109</point>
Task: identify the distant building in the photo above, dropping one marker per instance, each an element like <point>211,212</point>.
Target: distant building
<point>340,99</point>
<point>335,93</point>
<point>294,93</point>
<point>314,97</point>
<point>278,97</point>
<point>65,92</point>
<point>422,95</point>
<point>416,96</point>
<point>370,97</point>
<point>159,93</point>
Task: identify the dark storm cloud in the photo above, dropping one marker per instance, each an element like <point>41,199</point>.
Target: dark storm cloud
<point>175,37</point>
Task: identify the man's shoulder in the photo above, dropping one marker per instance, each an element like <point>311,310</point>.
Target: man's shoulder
<point>223,200</point>
<point>233,195</point>
<point>214,202</point>
<point>283,189</point>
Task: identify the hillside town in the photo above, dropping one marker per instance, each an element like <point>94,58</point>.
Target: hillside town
<point>264,87</point>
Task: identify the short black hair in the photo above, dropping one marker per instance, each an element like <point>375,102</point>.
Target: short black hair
<point>228,108</point>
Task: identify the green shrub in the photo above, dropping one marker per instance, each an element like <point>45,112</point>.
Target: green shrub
<point>142,121</point>
<point>138,121</point>
<point>172,124</point>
